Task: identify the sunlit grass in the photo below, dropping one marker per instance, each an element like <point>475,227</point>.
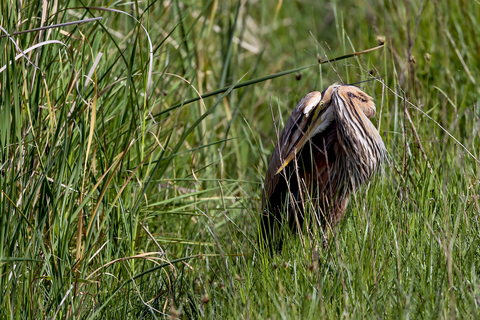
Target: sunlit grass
<point>124,200</point>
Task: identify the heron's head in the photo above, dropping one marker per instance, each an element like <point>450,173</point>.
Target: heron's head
<point>318,110</point>
<point>350,94</point>
<point>321,109</point>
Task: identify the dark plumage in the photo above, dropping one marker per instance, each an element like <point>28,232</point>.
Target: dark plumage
<point>327,150</point>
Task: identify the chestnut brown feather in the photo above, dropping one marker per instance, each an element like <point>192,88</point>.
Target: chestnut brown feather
<point>327,150</point>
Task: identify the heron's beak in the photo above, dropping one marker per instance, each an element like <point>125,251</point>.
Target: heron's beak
<point>305,128</point>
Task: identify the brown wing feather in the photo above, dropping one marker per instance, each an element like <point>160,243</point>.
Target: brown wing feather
<point>296,120</point>
<point>342,153</point>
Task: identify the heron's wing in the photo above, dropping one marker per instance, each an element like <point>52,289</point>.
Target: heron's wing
<point>293,130</point>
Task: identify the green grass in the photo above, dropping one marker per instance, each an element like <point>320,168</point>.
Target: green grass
<point>115,204</point>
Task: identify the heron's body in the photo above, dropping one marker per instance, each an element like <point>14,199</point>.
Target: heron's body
<point>327,150</point>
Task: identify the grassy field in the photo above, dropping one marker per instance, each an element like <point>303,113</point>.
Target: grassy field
<point>123,198</point>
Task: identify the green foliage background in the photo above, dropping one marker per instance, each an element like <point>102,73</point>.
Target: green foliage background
<point>119,201</point>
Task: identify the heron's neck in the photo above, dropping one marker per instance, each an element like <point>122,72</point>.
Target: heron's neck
<point>361,143</point>
<point>327,118</point>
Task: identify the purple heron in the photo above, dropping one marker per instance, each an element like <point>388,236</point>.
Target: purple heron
<point>327,150</point>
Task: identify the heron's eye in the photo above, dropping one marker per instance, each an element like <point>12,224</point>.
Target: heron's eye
<point>322,104</point>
